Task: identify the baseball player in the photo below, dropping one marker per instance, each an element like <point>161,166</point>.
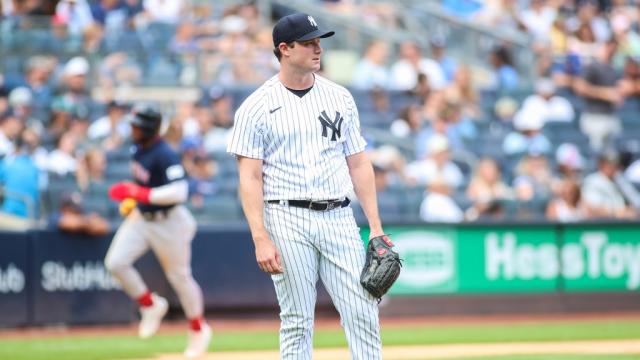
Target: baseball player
<point>299,151</point>
<point>160,222</point>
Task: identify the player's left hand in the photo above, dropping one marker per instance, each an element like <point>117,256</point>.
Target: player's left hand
<point>122,190</point>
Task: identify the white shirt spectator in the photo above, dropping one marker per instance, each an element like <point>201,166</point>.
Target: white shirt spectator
<point>405,77</point>
<point>76,14</point>
<point>633,172</point>
<point>601,192</point>
<point>6,145</point>
<point>423,171</point>
<point>61,163</point>
<point>555,109</point>
<point>547,105</point>
<point>166,11</point>
<point>101,128</point>
<point>368,75</point>
<point>440,208</point>
<point>538,23</point>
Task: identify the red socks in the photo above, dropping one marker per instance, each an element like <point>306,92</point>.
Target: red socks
<point>145,300</point>
<point>195,324</point>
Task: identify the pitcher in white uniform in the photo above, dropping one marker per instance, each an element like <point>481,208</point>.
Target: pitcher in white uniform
<point>300,152</point>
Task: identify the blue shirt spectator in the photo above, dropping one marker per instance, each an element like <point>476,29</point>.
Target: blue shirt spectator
<point>19,176</point>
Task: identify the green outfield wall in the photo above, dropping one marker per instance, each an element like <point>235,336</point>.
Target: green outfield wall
<point>516,258</point>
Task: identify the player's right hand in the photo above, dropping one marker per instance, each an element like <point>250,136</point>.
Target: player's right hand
<point>268,256</point>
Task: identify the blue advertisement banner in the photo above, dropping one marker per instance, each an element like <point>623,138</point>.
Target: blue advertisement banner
<point>71,284</point>
<point>14,275</point>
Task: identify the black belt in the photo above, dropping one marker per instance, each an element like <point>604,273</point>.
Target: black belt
<point>156,215</point>
<point>320,205</point>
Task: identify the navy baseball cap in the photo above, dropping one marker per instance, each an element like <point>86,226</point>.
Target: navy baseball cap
<point>297,27</point>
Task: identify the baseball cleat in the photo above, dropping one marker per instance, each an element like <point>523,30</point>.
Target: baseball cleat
<point>151,316</point>
<point>198,342</point>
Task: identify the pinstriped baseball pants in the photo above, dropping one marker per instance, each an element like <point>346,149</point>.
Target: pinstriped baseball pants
<point>324,244</point>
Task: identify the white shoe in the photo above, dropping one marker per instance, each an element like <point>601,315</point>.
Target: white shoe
<point>198,342</point>
<point>151,316</point>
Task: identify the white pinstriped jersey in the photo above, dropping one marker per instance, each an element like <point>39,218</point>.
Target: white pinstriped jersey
<point>303,142</point>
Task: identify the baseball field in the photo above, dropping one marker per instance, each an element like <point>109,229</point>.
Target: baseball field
<point>588,337</point>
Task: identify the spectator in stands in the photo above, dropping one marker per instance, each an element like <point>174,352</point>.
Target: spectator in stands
<point>91,168</point>
<point>632,173</point>
<point>111,130</point>
<point>408,123</point>
<point>438,206</point>
<point>437,163</point>
<point>588,15</point>
<point>20,179</point>
<point>570,163</point>
<point>439,54</point>
<point>533,178</point>
<point>538,18</point>
<point>487,187</point>
<point>10,129</point>
<point>112,15</point>
<point>164,11</point>
<point>601,97</point>
<point>59,121</point>
<point>545,102</point>
<point>371,71</point>
<point>221,105</point>
<point>505,75</point>
<point>528,137</point>
<point>500,14</point>
<point>31,137</point>
<point>404,72</point>
<point>459,126</point>
<point>36,79</point>
<point>75,89</point>
<point>602,195</point>
<point>119,69</point>
<point>381,114</point>
<point>445,123</point>
<point>389,165</point>
<point>505,110</point>
<point>201,179</point>
<point>62,161</point>
<point>71,218</point>
<point>20,101</point>
<point>76,15</point>
<point>184,41</point>
<point>462,91</point>
<point>567,205</point>
<point>629,84</point>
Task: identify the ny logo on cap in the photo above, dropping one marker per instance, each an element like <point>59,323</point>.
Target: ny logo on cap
<point>312,21</point>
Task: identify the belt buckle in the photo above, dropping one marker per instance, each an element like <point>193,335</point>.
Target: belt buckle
<point>332,205</point>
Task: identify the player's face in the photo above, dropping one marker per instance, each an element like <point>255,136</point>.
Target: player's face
<point>306,55</point>
<point>136,134</point>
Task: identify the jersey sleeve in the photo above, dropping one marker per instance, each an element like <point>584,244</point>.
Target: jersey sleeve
<point>172,169</point>
<point>248,130</point>
<point>354,142</point>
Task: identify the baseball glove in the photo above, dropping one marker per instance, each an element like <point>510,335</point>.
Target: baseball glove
<point>381,268</point>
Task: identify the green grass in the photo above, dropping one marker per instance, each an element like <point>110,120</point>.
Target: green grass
<point>127,347</point>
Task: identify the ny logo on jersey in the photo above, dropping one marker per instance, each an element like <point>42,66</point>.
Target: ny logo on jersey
<point>334,125</point>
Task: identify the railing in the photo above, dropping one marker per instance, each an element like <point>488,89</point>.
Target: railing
<point>467,41</point>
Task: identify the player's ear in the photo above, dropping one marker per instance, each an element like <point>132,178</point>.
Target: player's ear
<point>285,47</point>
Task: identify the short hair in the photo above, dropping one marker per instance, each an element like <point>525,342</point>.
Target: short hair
<point>277,52</point>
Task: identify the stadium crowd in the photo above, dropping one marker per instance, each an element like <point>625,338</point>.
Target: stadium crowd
<point>446,146</point>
